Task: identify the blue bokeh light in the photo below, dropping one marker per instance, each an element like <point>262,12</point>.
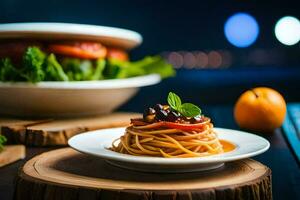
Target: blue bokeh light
<point>241,30</point>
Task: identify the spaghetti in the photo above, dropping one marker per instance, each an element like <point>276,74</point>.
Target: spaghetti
<point>169,139</point>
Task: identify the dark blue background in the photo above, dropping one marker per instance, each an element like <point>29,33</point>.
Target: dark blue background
<point>165,25</point>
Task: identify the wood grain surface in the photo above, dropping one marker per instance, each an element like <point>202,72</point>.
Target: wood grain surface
<point>67,174</point>
<point>11,153</point>
<point>56,132</point>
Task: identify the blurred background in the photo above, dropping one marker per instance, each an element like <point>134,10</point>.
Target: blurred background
<point>219,48</point>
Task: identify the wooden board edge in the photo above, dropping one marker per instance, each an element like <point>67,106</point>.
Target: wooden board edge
<point>262,191</point>
<point>27,134</point>
<point>12,153</point>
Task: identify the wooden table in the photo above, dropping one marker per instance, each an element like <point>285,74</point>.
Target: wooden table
<point>285,170</point>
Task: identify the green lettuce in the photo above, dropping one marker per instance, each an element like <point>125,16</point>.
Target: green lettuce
<point>33,60</point>
<point>39,66</point>
<point>98,72</point>
<point>2,141</point>
<point>8,72</point>
<point>82,70</point>
<point>53,70</point>
<point>148,65</point>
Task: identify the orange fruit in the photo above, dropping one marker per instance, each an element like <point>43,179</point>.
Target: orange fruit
<point>260,109</point>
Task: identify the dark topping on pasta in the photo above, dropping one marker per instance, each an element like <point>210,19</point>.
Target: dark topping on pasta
<point>161,112</point>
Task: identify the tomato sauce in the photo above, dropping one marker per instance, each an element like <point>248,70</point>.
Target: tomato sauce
<point>227,146</point>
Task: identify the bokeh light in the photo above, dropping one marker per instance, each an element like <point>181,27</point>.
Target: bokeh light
<point>241,30</point>
<point>199,59</point>
<point>189,60</point>
<point>287,30</point>
<point>226,58</point>
<point>175,59</point>
<point>214,59</point>
<point>202,59</point>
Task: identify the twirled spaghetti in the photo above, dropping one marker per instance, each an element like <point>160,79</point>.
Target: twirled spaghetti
<point>169,139</point>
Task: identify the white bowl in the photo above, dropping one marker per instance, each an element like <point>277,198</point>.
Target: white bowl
<point>69,99</point>
<point>118,37</point>
<point>96,143</point>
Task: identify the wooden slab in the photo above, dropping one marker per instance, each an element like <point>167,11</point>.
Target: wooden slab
<point>67,174</point>
<point>53,132</point>
<point>11,153</point>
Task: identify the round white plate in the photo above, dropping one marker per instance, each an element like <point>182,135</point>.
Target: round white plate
<point>96,143</point>
<point>52,31</point>
<point>69,99</point>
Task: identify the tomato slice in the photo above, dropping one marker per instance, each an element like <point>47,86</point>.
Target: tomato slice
<point>118,54</point>
<point>184,126</point>
<point>173,125</point>
<point>15,49</point>
<point>84,50</point>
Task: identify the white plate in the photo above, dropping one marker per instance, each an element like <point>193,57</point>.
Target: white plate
<point>69,99</point>
<point>52,31</point>
<point>96,143</point>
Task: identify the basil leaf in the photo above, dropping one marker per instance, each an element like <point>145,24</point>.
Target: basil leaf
<point>174,101</point>
<point>189,110</point>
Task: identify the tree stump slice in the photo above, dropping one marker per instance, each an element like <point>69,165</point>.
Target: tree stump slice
<point>56,132</point>
<point>11,153</point>
<point>68,174</point>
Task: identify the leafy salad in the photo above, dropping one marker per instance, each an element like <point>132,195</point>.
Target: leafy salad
<point>71,63</point>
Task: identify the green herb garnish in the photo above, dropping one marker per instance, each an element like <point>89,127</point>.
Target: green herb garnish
<point>186,109</point>
<point>2,141</point>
